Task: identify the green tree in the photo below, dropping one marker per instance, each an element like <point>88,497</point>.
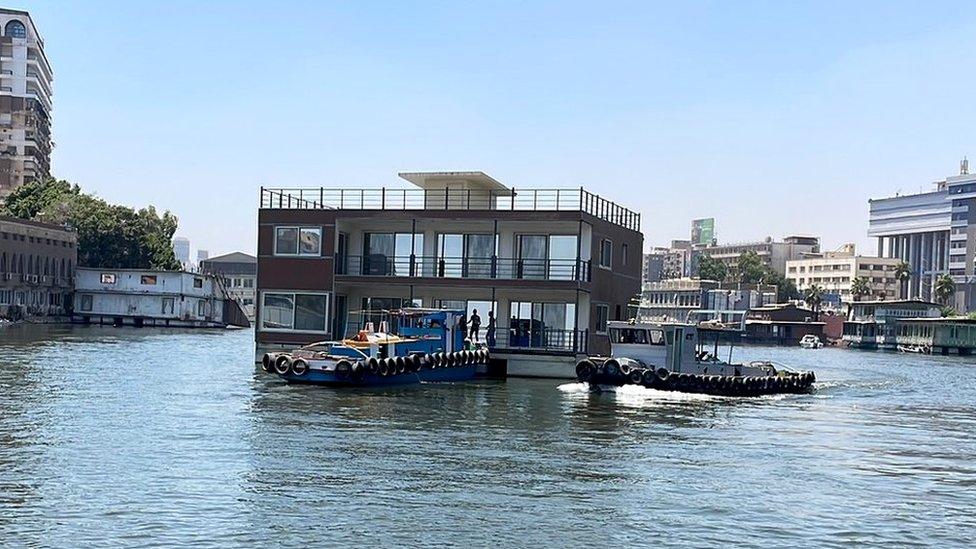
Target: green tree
<point>945,288</point>
<point>813,298</point>
<point>109,235</point>
<point>903,273</point>
<point>785,288</point>
<point>860,287</point>
<point>750,269</point>
<point>710,268</point>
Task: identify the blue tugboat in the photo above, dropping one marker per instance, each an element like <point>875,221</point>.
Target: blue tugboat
<point>429,347</point>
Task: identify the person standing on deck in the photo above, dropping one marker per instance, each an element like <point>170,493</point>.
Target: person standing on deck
<point>463,325</point>
<point>490,331</point>
<point>475,325</point>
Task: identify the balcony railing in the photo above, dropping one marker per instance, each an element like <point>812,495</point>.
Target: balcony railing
<point>537,200</point>
<point>543,339</point>
<point>501,268</point>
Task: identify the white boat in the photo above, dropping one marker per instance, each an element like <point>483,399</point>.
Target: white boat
<point>810,341</point>
<point>919,349</point>
<point>682,357</point>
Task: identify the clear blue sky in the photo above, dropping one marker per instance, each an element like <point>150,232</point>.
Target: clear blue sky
<point>773,117</point>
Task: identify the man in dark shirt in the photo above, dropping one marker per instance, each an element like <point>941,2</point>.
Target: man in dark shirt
<point>475,323</point>
<point>490,332</point>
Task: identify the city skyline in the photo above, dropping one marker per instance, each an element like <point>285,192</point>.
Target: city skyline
<point>814,107</point>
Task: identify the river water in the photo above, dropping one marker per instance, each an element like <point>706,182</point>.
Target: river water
<point>145,437</point>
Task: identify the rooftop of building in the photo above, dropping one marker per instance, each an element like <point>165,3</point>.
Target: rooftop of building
<point>460,190</point>
<point>233,257</point>
<point>38,224</point>
<point>896,302</point>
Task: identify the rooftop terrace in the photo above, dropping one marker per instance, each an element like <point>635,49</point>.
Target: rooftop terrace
<point>502,199</point>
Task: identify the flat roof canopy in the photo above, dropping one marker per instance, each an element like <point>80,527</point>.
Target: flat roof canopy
<point>466,180</point>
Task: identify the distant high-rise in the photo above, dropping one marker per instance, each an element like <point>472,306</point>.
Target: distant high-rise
<point>181,249</point>
<point>25,102</point>
<point>202,255</point>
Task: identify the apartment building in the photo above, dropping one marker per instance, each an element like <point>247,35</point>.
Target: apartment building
<point>37,266</point>
<point>694,300</point>
<point>239,273</point>
<point>773,254</point>
<point>25,102</point>
<point>835,271</point>
<point>554,265</point>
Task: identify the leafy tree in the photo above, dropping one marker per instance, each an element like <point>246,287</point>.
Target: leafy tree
<point>750,269</point>
<point>109,235</point>
<point>785,288</point>
<point>903,273</point>
<point>945,288</point>
<point>860,287</point>
<point>948,311</point>
<point>710,268</point>
<point>813,298</point>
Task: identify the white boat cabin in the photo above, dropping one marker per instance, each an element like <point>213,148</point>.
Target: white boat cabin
<point>677,347</point>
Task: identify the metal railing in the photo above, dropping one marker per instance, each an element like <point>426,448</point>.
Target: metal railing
<point>504,268</point>
<point>544,339</point>
<point>450,199</point>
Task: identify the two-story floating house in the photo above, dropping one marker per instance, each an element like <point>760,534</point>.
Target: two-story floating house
<point>553,265</point>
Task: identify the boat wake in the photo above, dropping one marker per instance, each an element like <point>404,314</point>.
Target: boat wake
<point>635,393</point>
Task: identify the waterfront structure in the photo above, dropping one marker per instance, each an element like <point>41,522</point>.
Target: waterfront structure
<point>873,324</point>
<point>782,324</point>
<point>136,297</point>
<point>181,249</point>
<point>772,253</point>
<point>239,272</point>
<point>555,265</point>
<point>37,265</point>
<point>25,102</point>
<point>835,271</point>
<point>694,300</point>
<point>934,232</point>
<point>954,335</point>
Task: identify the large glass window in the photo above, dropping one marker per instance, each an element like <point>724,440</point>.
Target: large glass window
<point>532,254</point>
<point>291,311</point>
<point>305,241</point>
<point>542,325</point>
<point>388,254</point>
<point>602,316</point>
<point>15,29</point>
<point>562,257</point>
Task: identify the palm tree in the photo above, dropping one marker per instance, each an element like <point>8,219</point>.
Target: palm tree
<point>903,273</point>
<point>813,298</point>
<point>945,288</point>
<point>860,287</point>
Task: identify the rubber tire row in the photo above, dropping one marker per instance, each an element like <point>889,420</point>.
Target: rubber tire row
<point>611,372</point>
<point>283,364</point>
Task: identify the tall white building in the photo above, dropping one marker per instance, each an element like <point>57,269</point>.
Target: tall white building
<point>25,102</point>
<point>181,249</point>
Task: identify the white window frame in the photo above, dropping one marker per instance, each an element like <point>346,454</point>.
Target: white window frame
<point>107,278</point>
<point>294,296</point>
<point>609,265</point>
<point>596,328</point>
<point>298,242</point>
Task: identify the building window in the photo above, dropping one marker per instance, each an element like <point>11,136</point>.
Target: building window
<point>15,29</point>
<point>602,315</point>
<point>305,241</point>
<point>147,280</point>
<point>168,305</point>
<point>108,278</point>
<point>201,308</point>
<point>248,282</point>
<point>86,302</point>
<point>298,312</point>
<point>623,255</point>
<point>198,283</point>
<point>606,254</point>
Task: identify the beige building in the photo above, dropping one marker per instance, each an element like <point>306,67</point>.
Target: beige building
<point>835,271</point>
<point>25,102</point>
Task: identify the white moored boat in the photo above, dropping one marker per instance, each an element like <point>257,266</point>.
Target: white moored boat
<point>810,341</point>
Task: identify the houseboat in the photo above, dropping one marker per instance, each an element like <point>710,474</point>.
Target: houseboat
<point>682,357</point>
<point>429,346</point>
